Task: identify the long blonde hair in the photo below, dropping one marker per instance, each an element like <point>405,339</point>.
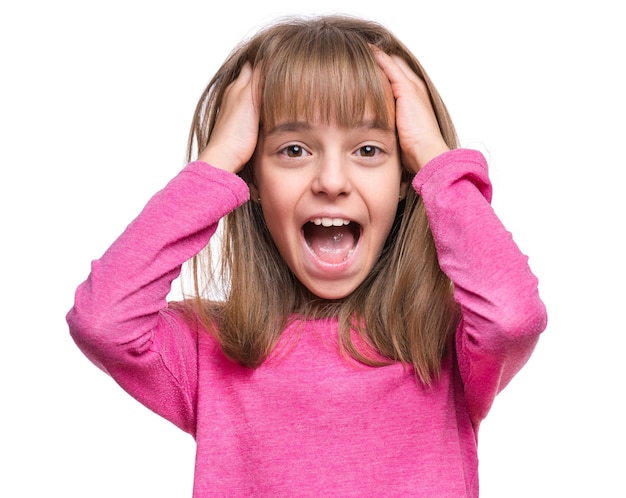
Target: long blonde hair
<point>404,309</point>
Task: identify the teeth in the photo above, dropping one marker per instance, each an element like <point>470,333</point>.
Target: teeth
<point>330,222</point>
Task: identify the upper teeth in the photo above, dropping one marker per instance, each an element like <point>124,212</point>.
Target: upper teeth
<point>330,222</point>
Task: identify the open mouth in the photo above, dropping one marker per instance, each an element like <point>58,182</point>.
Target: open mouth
<point>332,240</point>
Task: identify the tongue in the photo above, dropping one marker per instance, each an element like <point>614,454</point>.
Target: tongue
<point>330,244</point>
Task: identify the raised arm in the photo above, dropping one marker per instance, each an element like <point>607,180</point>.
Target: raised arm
<point>502,314</point>
<point>120,318</point>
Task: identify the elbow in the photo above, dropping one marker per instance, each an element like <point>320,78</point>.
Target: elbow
<point>79,328</point>
<point>87,338</point>
<point>103,340</point>
<point>87,329</point>
<point>523,320</point>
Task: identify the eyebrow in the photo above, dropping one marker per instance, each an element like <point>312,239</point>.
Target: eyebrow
<point>291,126</point>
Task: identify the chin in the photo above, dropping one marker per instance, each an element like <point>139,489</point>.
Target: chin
<point>331,292</point>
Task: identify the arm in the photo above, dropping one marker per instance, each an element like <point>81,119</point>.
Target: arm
<point>502,314</point>
<point>120,318</point>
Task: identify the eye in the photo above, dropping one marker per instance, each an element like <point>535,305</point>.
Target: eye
<point>294,151</point>
<point>368,151</point>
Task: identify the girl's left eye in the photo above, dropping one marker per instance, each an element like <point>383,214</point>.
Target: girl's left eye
<point>368,151</point>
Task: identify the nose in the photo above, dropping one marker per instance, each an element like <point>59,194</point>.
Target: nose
<point>332,177</point>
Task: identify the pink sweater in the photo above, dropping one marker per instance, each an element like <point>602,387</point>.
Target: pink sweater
<point>308,422</point>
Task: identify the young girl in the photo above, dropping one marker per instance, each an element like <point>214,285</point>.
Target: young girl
<point>372,304</point>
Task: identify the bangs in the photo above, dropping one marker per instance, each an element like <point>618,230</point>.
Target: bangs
<point>322,75</point>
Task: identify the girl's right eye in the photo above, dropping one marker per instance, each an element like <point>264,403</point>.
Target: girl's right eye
<point>294,151</point>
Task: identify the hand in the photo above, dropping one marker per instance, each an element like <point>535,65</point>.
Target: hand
<point>418,131</point>
<point>236,130</point>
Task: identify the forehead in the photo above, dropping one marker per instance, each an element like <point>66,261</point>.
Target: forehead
<point>343,90</point>
<point>367,127</point>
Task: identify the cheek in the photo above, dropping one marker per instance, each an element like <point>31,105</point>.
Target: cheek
<point>384,202</point>
<point>385,189</point>
<point>386,216</point>
<point>277,203</point>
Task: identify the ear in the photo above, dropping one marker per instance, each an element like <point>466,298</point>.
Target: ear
<point>403,189</point>
<point>405,184</point>
<point>254,193</point>
<point>247,175</point>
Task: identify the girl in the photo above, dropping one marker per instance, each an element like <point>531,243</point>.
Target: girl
<point>372,304</point>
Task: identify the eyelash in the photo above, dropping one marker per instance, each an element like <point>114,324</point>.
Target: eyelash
<point>372,148</point>
<point>293,148</point>
<point>363,151</point>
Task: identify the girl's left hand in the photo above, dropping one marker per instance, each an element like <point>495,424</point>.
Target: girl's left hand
<point>418,131</point>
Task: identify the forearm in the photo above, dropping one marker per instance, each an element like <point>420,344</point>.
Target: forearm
<point>502,313</point>
<point>118,304</point>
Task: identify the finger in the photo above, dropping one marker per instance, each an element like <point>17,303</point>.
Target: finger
<point>386,63</point>
<point>248,81</point>
<point>396,69</point>
<point>235,130</point>
<point>406,69</point>
<point>242,80</point>
<point>255,77</point>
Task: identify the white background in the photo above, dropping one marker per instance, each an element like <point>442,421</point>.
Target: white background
<point>96,100</point>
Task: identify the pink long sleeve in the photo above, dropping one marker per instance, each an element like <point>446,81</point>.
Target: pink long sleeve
<point>502,314</point>
<point>123,301</point>
<point>310,423</point>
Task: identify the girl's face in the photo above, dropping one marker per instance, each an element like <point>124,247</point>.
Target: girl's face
<point>329,197</point>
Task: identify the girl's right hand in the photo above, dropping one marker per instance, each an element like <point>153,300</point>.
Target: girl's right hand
<point>236,130</point>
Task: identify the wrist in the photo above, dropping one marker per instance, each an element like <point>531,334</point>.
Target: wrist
<point>423,155</point>
<point>219,160</point>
